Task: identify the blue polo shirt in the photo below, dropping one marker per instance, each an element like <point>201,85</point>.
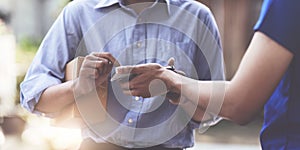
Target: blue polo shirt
<point>281,129</point>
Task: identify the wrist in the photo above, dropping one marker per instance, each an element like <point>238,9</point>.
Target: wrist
<point>171,79</point>
<point>70,91</point>
<point>76,89</point>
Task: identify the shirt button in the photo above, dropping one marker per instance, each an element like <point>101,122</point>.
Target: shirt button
<point>137,98</point>
<point>138,44</point>
<point>130,121</point>
<point>168,47</point>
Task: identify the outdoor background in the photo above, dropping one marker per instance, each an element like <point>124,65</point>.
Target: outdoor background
<point>24,23</point>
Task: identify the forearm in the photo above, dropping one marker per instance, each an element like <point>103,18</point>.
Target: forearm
<point>238,100</point>
<point>195,112</point>
<point>207,95</point>
<point>55,98</point>
<point>189,97</point>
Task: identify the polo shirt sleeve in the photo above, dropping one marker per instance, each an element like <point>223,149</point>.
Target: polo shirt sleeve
<point>280,21</point>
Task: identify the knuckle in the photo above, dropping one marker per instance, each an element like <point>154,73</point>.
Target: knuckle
<point>88,57</point>
<point>126,92</point>
<point>98,64</point>
<point>83,70</point>
<point>108,54</point>
<point>94,53</point>
<point>157,66</point>
<point>134,92</point>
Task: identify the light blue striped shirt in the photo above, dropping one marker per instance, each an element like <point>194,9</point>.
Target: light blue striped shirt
<point>183,29</point>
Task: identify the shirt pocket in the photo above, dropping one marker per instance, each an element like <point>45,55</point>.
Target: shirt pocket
<point>184,55</point>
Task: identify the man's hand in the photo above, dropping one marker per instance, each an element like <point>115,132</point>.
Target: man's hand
<point>149,80</point>
<point>93,72</point>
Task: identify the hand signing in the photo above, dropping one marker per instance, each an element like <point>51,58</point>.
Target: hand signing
<point>93,72</point>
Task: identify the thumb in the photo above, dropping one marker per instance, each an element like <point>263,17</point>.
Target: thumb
<point>171,61</point>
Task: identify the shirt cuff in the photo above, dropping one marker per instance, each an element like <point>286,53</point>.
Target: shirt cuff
<point>32,89</point>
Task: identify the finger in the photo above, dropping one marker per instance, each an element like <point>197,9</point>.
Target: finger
<point>171,61</point>
<point>127,92</point>
<point>142,68</point>
<point>133,92</point>
<point>103,65</point>
<point>107,56</point>
<point>108,68</point>
<point>103,68</point>
<point>174,102</point>
<point>89,72</point>
<point>124,69</point>
<point>125,86</point>
<point>141,79</point>
<point>137,69</point>
<point>96,57</point>
<point>94,64</point>
<point>93,57</point>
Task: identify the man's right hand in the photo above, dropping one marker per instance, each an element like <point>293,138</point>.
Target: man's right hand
<point>93,72</point>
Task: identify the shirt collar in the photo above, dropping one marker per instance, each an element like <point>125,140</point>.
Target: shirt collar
<point>107,3</point>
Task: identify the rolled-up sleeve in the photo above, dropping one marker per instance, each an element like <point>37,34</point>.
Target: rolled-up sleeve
<point>47,68</point>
